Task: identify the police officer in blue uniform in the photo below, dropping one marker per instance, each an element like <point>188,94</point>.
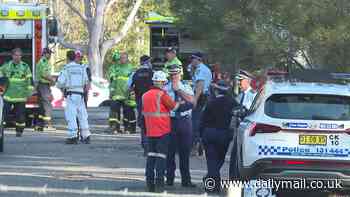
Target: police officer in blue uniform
<point>201,79</point>
<point>245,100</point>
<point>181,128</point>
<point>217,134</point>
<point>140,82</point>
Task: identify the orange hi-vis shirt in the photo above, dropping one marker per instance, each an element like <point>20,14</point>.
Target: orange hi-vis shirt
<point>156,107</point>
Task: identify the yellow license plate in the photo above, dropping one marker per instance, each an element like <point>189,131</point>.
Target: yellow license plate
<point>312,140</point>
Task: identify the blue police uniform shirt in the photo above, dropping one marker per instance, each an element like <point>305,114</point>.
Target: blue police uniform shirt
<point>129,83</point>
<point>248,99</point>
<point>203,73</point>
<point>185,88</point>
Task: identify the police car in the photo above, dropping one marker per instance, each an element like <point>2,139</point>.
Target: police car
<point>297,127</point>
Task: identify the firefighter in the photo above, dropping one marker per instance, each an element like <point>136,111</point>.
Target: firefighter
<point>118,75</point>
<point>73,79</point>
<point>129,110</point>
<point>170,55</point>
<point>19,89</point>
<point>45,80</point>
<point>156,106</point>
<point>216,132</point>
<point>141,82</point>
<point>181,128</point>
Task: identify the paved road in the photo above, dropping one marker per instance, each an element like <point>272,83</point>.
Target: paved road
<point>40,164</point>
<point>107,166</point>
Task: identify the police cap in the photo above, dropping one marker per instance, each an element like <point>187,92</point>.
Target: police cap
<point>170,50</point>
<point>197,55</point>
<point>244,75</point>
<point>144,59</point>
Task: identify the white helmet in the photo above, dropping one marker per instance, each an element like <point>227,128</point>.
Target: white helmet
<point>159,76</point>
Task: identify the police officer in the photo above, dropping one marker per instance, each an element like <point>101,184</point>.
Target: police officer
<point>216,134</point>
<point>141,82</point>
<point>201,80</point>
<point>19,89</point>
<point>73,79</point>
<point>247,95</point>
<point>181,128</point>
<point>170,55</point>
<point>245,100</point>
<point>118,75</point>
<point>156,106</point>
<point>45,80</point>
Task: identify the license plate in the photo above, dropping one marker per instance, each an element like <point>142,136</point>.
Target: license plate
<point>313,140</point>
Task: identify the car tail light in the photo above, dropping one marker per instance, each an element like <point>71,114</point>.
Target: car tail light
<point>347,131</point>
<point>263,128</point>
<point>309,163</point>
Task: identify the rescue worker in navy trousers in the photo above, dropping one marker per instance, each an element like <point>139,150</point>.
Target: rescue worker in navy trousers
<point>216,133</point>
<point>181,127</point>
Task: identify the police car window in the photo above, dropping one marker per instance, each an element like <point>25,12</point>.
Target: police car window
<point>256,102</point>
<point>308,107</point>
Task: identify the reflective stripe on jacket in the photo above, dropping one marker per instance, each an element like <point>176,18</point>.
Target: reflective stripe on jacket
<point>156,107</point>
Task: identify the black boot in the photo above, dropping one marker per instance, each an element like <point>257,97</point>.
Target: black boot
<point>188,184</point>
<point>86,140</point>
<point>73,140</point>
<point>150,186</point>
<point>19,132</point>
<point>159,186</point>
<point>170,181</point>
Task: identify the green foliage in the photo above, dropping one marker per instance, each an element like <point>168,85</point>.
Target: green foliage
<point>270,32</point>
<point>136,42</point>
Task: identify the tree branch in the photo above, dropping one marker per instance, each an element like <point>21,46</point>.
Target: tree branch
<point>123,32</point>
<point>87,9</point>
<point>76,11</point>
<point>61,40</point>
<point>109,5</point>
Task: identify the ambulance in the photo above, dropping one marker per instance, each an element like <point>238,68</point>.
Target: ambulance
<point>25,26</point>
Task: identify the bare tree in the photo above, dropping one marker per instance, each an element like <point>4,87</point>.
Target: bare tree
<point>97,44</point>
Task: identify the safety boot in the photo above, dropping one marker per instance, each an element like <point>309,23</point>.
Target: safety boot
<point>73,140</point>
<point>19,132</point>
<point>150,186</point>
<point>159,187</point>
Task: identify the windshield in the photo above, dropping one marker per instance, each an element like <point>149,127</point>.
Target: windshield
<point>308,107</point>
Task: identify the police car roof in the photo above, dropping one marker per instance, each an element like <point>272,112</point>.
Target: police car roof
<point>309,82</point>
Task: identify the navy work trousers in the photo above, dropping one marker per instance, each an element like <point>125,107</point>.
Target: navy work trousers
<point>181,142</point>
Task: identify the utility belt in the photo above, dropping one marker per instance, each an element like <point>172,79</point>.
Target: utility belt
<point>69,93</point>
<point>182,115</point>
<point>202,101</point>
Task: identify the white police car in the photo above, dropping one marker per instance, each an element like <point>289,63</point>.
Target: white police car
<point>298,127</point>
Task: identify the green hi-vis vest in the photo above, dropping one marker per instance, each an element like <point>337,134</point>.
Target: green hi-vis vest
<point>43,69</point>
<point>20,85</point>
<point>118,75</point>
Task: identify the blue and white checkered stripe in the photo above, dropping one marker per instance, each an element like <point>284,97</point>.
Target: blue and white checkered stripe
<point>277,150</point>
<point>269,150</point>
